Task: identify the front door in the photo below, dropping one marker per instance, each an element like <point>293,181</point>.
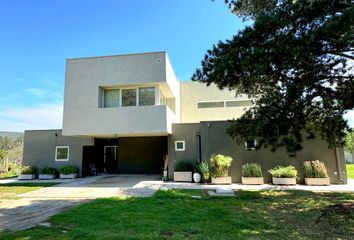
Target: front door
<point>110,159</point>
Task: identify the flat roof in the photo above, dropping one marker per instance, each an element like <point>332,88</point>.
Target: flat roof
<point>117,55</point>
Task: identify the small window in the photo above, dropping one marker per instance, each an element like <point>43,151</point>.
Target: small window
<point>239,103</point>
<point>62,153</point>
<point>211,104</point>
<point>147,96</point>
<point>111,98</point>
<point>179,145</point>
<point>128,97</point>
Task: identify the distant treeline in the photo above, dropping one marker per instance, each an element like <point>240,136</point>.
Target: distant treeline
<point>10,154</point>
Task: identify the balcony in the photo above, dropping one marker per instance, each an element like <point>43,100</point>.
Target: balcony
<point>121,122</point>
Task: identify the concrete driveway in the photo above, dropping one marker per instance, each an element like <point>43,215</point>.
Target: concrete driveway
<point>37,206</point>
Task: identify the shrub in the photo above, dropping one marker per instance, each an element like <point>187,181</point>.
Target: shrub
<point>203,167</point>
<point>221,164</point>
<point>251,170</point>
<point>315,169</point>
<point>28,170</point>
<point>48,170</point>
<point>283,172</point>
<point>183,166</point>
<point>69,169</point>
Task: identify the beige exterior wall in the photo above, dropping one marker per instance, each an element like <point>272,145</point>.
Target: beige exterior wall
<point>194,92</point>
<point>86,77</point>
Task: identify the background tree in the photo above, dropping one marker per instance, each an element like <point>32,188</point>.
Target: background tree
<point>349,143</point>
<point>10,155</point>
<point>296,60</point>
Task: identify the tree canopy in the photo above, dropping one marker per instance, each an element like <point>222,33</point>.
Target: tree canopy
<point>296,60</point>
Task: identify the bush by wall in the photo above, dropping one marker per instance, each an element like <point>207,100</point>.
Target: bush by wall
<point>69,169</point>
<point>220,165</point>
<point>315,169</point>
<point>251,170</point>
<point>28,170</point>
<point>283,172</point>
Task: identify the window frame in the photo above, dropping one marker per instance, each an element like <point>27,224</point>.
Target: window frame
<point>56,154</point>
<point>180,149</point>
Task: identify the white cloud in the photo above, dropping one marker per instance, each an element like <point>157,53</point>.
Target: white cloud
<point>47,116</point>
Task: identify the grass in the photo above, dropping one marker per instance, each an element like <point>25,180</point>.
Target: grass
<point>350,170</point>
<point>175,215</point>
<point>10,190</point>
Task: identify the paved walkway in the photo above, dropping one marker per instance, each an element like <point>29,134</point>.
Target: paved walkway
<point>37,206</point>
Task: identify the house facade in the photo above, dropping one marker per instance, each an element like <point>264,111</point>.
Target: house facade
<point>127,113</point>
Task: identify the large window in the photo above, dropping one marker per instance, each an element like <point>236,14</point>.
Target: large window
<point>146,96</point>
<point>111,98</point>
<point>128,97</point>
<point>62,153</point>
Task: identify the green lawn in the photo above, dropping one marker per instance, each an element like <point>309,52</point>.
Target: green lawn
<point>175,215</point>
<point>350,170</point>
<point>10,190</point>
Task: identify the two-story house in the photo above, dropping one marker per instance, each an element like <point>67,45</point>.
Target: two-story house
<point>127,113</point>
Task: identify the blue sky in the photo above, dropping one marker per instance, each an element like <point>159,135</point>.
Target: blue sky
<point>37,36</point>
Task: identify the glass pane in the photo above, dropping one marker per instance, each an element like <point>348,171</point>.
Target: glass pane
<point>146,96</point>
<point>128,97</point>
<point>179,145</point>
<point>242,103</point>
<point>62,153</point>
<point>111,98</point>
<point>210,104</point>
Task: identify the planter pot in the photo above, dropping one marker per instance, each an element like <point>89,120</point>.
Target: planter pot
<point>284,181</point>
<point>221,180</point>
<point>197,177</point>
<point>68,176</point>
<point>46,176</point>
<point>26,176</point>
<point>317,181</point>
<point>252,180</point>
<point>182,176</point>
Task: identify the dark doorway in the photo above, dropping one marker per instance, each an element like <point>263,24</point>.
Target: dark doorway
<point>106,155</point>
<point>88,158</point>
<point>110,159</point>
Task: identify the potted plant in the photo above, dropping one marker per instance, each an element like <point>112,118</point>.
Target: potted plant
<point>283,175</point>
<point>203,168</point>
<point>220,165</point>
<point>47,173</point>
<point>69,171</point>
<point>252,174</point>
<point>27,173</point>
<point>196,175</point>
<point>183,172</point>
<point>316,173</point>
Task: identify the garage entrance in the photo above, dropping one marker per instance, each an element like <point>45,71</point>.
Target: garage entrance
<point>129,155</point>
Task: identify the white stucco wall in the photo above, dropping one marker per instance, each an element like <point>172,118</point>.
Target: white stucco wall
<point>194,92</point>
<point>85,77</point>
